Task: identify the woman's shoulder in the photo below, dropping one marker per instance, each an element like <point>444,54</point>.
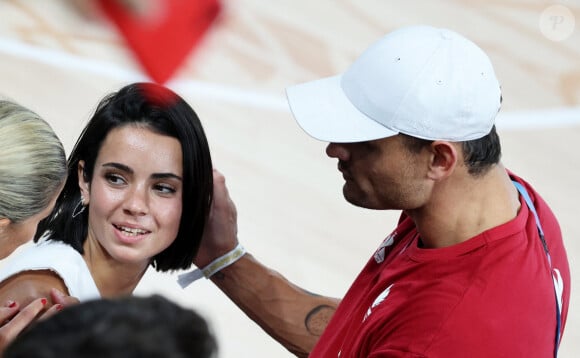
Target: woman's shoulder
<point>41,255</point>
<point>56,259</point>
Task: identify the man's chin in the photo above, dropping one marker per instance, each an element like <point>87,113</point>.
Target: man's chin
<point>356,199</point>
<point>360,199</point>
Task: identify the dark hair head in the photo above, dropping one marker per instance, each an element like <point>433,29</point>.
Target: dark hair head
<point>478,155</point>
<point>164,112</point>
<point>129,327</point>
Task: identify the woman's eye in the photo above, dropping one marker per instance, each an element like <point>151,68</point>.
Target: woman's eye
<point>115,179</point>
<point>165,189</point>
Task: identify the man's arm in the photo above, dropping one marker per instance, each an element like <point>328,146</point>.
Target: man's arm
<point>294,317</point>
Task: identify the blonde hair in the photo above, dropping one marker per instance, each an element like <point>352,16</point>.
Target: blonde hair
<point>32,162</point>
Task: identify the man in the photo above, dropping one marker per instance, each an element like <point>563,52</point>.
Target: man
<point>466,273</point>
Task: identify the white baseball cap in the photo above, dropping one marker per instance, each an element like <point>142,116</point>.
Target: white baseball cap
<point>422,81</point>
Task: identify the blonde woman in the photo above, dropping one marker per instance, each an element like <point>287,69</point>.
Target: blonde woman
<point>32,174</point>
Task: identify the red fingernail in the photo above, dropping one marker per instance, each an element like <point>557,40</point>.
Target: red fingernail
<point>11,304</point>
<point>43,301</point>
<point>58,307</point>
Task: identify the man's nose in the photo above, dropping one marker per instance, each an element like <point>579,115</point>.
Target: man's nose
<point>338,150</point>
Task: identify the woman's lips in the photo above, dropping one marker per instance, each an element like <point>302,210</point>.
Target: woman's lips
<point>129,233</point>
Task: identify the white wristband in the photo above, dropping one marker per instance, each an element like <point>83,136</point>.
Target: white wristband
<point>216,265</point>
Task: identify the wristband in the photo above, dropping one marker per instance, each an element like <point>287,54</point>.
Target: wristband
<point>215,266</point>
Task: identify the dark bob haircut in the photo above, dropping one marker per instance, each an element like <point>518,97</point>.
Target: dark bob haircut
<point>159,109</point>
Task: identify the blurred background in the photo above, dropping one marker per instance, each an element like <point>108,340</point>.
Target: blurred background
<point>61,57</point>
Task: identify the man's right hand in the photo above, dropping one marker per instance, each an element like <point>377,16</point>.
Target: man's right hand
<point>221,229</point>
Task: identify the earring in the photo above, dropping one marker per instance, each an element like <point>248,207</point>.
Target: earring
<point>80,208</point>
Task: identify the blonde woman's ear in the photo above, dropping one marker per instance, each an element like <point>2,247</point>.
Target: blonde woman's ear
<point>4,222</point>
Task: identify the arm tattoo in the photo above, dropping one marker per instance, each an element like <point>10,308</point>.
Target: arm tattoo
<point>317,319</point>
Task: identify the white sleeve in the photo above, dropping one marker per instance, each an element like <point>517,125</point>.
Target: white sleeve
<point>58,257</point>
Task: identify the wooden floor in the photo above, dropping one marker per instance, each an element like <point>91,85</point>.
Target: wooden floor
<point>292,215</point>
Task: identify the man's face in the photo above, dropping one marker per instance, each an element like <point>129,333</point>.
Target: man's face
<point>382,174</point>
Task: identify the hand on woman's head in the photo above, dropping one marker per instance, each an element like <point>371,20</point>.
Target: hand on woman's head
<point>221,231</point>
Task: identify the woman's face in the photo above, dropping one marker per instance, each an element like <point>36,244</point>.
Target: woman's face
<point>135,196</point>
<point>16,234</point>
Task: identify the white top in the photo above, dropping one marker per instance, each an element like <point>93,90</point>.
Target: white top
<point>58,257</point>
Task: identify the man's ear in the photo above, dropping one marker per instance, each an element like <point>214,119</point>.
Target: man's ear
<point>84,185</point>
<point>444,159</point>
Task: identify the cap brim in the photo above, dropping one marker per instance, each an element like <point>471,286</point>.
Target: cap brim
<point>324,112</point>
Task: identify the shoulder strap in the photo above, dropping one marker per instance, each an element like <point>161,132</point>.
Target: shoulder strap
<point>530,204</point>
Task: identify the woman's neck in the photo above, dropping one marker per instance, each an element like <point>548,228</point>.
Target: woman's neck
<point>112,278</point>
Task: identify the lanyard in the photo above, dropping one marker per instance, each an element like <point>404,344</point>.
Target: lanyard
<point>528,201</point>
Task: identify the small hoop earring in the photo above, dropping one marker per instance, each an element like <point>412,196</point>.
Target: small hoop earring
<point>80,208</point>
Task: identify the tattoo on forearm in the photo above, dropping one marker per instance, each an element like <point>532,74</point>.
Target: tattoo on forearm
<point>317,319</point>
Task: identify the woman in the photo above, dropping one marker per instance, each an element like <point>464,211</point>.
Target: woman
<point>32,173</point>
<point>138,193</point>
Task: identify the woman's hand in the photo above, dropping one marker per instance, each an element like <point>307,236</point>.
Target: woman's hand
<point>14,319</point>
<point>59,300</point>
